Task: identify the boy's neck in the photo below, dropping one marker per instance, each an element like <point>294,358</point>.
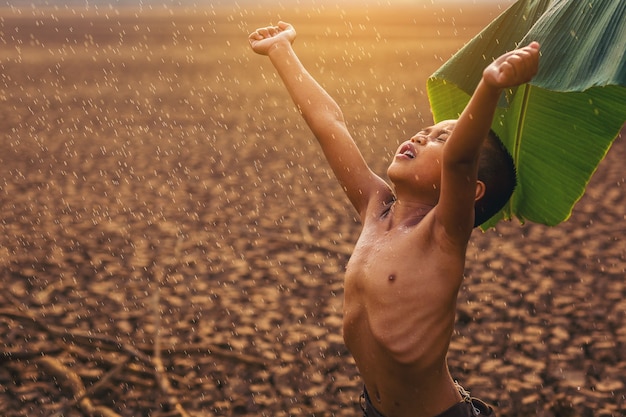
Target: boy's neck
<point>409,213</point>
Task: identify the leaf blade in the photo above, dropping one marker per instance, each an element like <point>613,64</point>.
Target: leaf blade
<point>560,127</point>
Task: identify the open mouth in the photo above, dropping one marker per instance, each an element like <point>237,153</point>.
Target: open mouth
<point>407,150</point>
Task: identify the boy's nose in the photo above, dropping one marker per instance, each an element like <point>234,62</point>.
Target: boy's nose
<point>419,139</point>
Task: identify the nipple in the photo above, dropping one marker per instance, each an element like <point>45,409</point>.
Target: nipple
<point>392,277</point>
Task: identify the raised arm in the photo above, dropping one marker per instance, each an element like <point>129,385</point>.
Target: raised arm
<point>321,113</point>
<point>460,159</point>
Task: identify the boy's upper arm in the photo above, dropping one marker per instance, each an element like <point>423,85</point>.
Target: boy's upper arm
<point>455,209</point>
<point>456,203</point>
<point>358,181</point>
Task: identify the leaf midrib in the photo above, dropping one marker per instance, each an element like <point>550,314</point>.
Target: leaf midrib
<point>519,132</point>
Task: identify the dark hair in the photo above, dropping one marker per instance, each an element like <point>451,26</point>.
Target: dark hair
<point>497,171</point>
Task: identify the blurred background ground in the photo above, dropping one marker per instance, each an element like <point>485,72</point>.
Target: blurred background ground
<point>163,206</point>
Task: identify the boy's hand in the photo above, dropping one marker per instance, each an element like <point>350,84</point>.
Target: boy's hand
<point>513,68</point>
<point>262,39</point>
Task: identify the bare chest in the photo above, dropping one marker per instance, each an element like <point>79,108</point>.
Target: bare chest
<point>399,286</point>
<point>384,259</point>
<point>399,272</point>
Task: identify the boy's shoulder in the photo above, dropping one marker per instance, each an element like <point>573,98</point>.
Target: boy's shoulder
<point>379,204</point>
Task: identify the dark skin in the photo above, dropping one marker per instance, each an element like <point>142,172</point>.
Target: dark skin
<point>404,275</point>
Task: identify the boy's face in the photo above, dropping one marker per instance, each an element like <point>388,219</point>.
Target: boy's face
<point>418,160</point>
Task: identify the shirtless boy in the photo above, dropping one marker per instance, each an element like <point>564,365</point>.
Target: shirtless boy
<point>403,278</point>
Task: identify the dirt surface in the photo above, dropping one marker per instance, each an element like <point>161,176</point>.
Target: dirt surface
<point>172,242</point>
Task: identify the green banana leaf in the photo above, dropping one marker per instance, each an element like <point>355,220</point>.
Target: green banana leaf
<point>560,126</point>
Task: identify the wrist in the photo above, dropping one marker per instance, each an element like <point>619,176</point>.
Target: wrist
<point>489,89</point>
<point>281,46</point>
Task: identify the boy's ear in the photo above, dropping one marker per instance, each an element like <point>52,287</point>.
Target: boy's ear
<point>480,190</point>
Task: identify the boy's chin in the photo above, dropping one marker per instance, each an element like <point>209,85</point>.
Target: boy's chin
<point>393,170</point>
<point>400,181</point>
<point>397,173</point>
<point>392,175</point>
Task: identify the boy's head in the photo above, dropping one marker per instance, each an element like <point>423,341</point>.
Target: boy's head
<point>417,164</point>
<point>496,171</point>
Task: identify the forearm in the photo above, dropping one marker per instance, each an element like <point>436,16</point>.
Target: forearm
<point>509,70</point>
<point>317,107</point>
<point>321,113</point>
<point>473,124</point>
